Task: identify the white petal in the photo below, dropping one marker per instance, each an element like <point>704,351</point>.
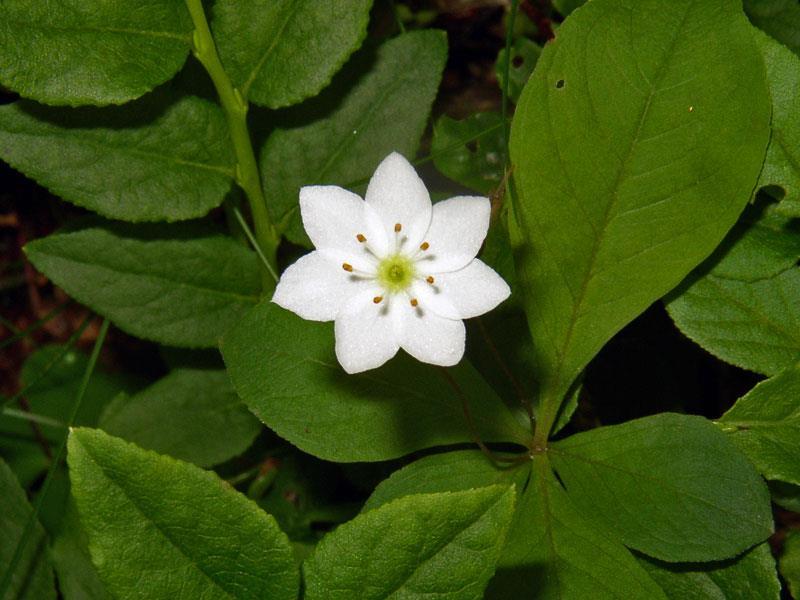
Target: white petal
<point>458,228</point>
<point>431,297</point>
<point>365,332</point>
<point>398,195</point>
<point>314,287</point>
<point>474,290</point>
<point>430,338</point>
<point>333,217</point>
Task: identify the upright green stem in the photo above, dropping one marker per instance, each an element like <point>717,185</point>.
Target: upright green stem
<point>512,17</point>
<point>235,107</point>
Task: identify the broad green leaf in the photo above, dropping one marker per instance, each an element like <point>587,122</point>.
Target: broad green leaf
<point>470,151</point>
<point>754,325</point>
<point>74,52</point>
<point>161,528</point>
<point>165,161</point>
<point>447,472</point>
<point>378,104</point>
<point>762,244</point>
<point>33,577</point>
<point>636,144</point>
<point>765,425</point>
<point>789,562</point>
<point>671,486</point>
<point>554,552</point>
<point>789,208</point>
<point>749,576</point>
<point>77,577</point>
<point>524,54</point>
<point>278,52</point>
<point>178,286</point>
<point>779,18</point>
<point>191,414</point>
<point>431,546</point>
<point>782,163</point>
<point>285,370</point>
<point>566,7</point>
<point>785,495</point>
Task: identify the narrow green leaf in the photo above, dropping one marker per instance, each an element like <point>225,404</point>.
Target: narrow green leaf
<point>524,54</point>
<point>782,163</point>
<point>160,528</point>
<point>671,486</point>
<point>790,562</point>
<point>754,325</point>
<point>554,552</point>
<point>72,52</point>
<point>280,52</point>
<point>285,370</point>
<point>431,546</point>
<point>765,425</point>
<point>378,104</point>
<point>33,577</point>
<point>470,151</point>
<point>779,18</point>
<point>191,414</point>
<point>166,161</point>
<point>637,142</point>
<point>447,472</point>
<point>751,575</point>
<point>77,577</point>
<point>181,286</point>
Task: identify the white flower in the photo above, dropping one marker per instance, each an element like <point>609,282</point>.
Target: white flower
<point>392,271</point>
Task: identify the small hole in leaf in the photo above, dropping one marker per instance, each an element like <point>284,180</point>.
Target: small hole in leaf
<point>517,61</point>
<point>560,84</point>
<point>472,145</point>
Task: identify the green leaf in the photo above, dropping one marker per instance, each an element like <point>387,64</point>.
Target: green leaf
<point>524,54</point>
<point>33,577</point>
<point>160,528</point>
<point>751,575</point>
<point>191,414</point>
<point>447,472</point>
<point>165,161</point>
<point>554,552</point>
<point>285,370</point>
<point>782,163</point>
<point>178,286</point>
<point>71,52</point>
<point>671,486</point>
<point>763,243</point>
<point>77,577</point>
<point>754,325</point>
<point>378,104</point>
<point>779,18</point>
<point>765,425</point>
<point>432,546</point>
<point>470,151</point>
<point>566,7</point>
<point>280,52</point>
<point>789,562</point>
<point>785,495</point>
<point>636,144</point>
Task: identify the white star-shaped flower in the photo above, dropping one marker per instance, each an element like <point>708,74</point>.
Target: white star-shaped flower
<point>392,270</point>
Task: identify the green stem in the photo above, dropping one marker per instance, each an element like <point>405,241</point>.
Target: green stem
<point>506,72</point>
<point>5,582</point>
<point>236,106</point>
<point>35,326</point>
<point>545,419</point>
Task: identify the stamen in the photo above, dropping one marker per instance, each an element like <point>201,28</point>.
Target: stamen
<point>430,279</point>
<point>414,302</point>
<point>397,227</point>
<point>360,237</point>
<point>424,246</point>
<point>347,267</point>
<point>377,299</point>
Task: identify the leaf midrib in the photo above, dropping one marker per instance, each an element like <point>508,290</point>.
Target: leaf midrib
<point>187,38</point>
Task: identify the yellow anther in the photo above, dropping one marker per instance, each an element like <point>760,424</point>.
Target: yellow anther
<point>377,299</point>
<point>347,267</point>
<point>360,237</point>
<point>397,227</point>
<point>430,279</point>
<point>414,302</point>
<point>424,246</point>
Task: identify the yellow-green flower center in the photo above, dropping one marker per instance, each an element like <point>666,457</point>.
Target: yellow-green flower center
<point>395,273</point>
